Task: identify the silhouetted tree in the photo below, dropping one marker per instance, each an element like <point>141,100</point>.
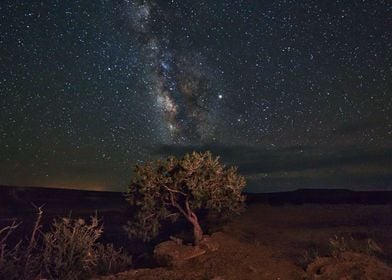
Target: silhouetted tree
<point>168,189</point>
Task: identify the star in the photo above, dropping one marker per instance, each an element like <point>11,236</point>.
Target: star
<point>89,89</point>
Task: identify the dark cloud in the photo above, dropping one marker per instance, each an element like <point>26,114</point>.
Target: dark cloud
<point>295,167</point>
<point>253,160</point>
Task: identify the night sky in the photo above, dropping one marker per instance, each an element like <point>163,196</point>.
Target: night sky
<point>296,93</point>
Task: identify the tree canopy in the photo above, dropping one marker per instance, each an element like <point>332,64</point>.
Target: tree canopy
<point>165,190</point>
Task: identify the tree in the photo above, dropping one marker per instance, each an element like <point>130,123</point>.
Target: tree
<point>165,190</point>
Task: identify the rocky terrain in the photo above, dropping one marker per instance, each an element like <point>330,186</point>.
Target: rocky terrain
<point>291,242</point>
<point>270,240</point>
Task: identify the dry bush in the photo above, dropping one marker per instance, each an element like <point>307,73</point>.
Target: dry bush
<point>21,261</point>
<point>340,244</point>
<point>69,248</point>
<point>110,260</point>
<point>69,251</point>
<point>8,256</point>
<point>307,258</point>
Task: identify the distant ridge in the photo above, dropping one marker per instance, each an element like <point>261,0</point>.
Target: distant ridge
<point>17,204</point>
<point>322,196</point>
<point>28,188</point>
<point>16,197</point>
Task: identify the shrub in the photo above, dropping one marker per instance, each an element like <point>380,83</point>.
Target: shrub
<point>69,251</point>
<point>69,248</point>
<point>307,258</point>
<point>165,190</point>
<point>20,261</point>
<point>340,244</point>
<point>110,260</point>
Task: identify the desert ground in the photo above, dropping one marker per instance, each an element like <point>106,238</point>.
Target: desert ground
<point>268,241</point>
<point>279,242</point>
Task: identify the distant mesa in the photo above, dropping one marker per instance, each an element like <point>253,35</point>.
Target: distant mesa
<point>17,198</point>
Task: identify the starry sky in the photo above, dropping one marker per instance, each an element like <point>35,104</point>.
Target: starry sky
<point>295,93</point>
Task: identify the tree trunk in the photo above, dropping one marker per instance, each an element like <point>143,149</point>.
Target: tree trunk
<point>191,217</point>
<point>197,230</point>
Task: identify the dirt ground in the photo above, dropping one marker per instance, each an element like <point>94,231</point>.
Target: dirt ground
<point>278,242</point>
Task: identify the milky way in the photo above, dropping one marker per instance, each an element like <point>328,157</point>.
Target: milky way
<point>90,88</point>
<point>178,82</point>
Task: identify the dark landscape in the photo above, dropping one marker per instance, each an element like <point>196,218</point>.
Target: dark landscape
<point>275,237</point>
<point>195,140</point>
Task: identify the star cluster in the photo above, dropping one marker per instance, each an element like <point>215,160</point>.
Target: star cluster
<point>89,88</point>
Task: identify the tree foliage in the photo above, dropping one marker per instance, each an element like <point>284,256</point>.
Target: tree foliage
<point>165,190</point>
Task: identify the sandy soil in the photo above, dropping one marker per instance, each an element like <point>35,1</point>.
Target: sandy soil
<point>278,242</point>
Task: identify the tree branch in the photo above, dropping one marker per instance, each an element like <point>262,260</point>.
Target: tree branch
<point>175,204</point>
<point>8,230</point>
<point>191,214</point>
<point>173,191</point>
<point>170,215</point>
<point>148,217</point>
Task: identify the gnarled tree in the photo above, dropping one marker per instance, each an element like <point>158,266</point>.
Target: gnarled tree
<point>168,189</point>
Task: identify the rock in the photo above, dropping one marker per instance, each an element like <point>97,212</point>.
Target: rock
<point>349,266</point>
<point>170,253</point>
